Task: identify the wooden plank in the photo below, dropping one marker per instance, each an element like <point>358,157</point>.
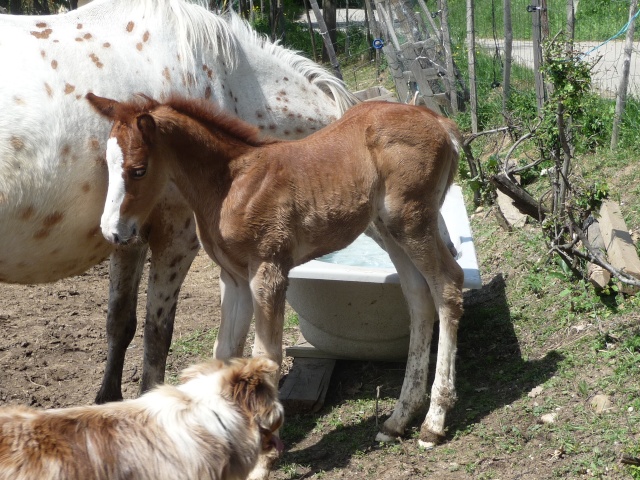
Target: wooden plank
<point>598,276</point>
<point>617,240</point>
<point>305,388</point>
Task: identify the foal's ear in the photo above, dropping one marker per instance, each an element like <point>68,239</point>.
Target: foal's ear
<point>147,126</point>
<point>104,106</point>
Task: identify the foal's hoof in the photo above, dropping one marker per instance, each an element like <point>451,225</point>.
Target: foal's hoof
<point>428,439</point>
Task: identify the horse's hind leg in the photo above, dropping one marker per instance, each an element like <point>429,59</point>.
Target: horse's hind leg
<point>125,271</point>
<point>446,285</point>
<point>422,314</point>
<point>445,277</point>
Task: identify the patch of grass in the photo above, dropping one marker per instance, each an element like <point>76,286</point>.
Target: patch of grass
<point>198,343</point>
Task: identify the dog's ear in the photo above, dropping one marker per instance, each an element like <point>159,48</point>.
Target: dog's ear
<point>201,369</point>
<point>248,376</point>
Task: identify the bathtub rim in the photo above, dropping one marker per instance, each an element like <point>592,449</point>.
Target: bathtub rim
<point>455,216</point>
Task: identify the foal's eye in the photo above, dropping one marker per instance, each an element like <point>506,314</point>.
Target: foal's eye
<point>139,172</point>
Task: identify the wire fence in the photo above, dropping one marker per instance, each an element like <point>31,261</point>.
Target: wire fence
<point>606,56</point>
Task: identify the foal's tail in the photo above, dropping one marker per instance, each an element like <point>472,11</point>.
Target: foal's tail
<point>454,155</point>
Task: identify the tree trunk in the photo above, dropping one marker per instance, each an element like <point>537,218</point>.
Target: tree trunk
<point>325,38</point>
<point>329,17</point>
<point>621,98</point>
<point>276,20</point>
<point>15,7</point>
<point>471,49</point>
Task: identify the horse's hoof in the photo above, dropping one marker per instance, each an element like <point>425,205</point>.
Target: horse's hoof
<point>429,439</point>
<point>384,438</point>
<point>426,445</point>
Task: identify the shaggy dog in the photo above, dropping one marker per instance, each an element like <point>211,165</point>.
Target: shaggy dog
<point>212,426</point>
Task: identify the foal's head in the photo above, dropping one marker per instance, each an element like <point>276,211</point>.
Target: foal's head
<point>134,188</point>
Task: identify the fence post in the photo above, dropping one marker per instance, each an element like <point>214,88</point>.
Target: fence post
<point>535,9</point>
<point>446,42</point>
<point>621,97</point>
<point>471,45</point>
<point>325,38</point>
<point>508,46</point>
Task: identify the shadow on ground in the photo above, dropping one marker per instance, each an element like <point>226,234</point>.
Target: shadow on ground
<point>491,373</point>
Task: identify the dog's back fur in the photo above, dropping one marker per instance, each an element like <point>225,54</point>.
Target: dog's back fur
<point>212,426</point>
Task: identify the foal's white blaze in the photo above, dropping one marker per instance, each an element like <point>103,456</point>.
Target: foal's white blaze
<point>110,221</point>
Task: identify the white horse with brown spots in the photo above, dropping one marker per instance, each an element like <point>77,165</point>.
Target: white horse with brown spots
<point>53,175</point>
<point>264,206</point>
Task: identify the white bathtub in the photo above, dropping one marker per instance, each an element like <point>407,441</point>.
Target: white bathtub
<point>358,312</point>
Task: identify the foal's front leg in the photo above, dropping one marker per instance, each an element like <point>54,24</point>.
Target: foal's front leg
<point>268,289</point>
<point>174,244</point>
<point>235,319</point>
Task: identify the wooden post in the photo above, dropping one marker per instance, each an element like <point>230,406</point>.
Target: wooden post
<point>571,20</point>
<point>380,7</point>
<point>537,54</point>
<point>325,38</point>
<point>621,97</point>
<point>471,46</point>
<point>434,27</point>
<point>446,41</point>
<point>508,48</point>
<point>311,34</point>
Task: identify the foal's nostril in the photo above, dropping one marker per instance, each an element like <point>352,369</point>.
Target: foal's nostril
<point>116,238</point>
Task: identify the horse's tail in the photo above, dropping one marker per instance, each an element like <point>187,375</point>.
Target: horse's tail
<point>454,155</point>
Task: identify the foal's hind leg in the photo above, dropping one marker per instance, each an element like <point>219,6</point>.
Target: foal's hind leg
<point>422,314</point>
<point>445,277</point>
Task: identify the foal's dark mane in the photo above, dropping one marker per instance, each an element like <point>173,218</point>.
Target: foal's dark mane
<point>213,118</point>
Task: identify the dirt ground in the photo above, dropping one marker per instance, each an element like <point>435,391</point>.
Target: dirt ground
<point>53,349</point>
<point>53,344</point>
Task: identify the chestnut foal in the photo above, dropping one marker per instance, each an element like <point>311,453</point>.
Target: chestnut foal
<point>264,206</point>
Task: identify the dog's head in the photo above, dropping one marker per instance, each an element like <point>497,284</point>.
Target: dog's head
<point>250,385</point>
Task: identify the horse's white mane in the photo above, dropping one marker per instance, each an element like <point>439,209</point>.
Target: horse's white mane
<point>316,74</point>
<point>198,29</point>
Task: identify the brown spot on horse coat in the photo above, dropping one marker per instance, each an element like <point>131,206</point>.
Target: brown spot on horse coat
<point>93,232</point>
<point>139,46</point>
<point>79,26</point>
<point>54,64</point>
<point>41,25</point>
<point>94,58</point>
<point>47,87</point>
<point>94,143</point>
<point>26,213</point>
<point>68,88</point>
<point>17,143</point>
<point>106,44</point>
<point>52,219</point>
<point>86,187</point>
<point>42,35</point>
<point>145,37</point>
<point>87,36</point>
<point>166,74</point>
<point>207,92</point>
<point>130,26</point>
